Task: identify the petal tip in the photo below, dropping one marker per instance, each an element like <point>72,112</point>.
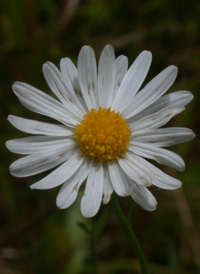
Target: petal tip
<point>108,48</point>
<point>15,85</point>
<point>63,60</point>
<point>44,66</point>
<point>174,69</point>
<point>59,204</point>
<point>193,135</point>
<point>153,206</point>
<point>178,185</point>
<point>86,48</point>
<point>190,96</point>
<point>147,52</point>
<point>182,168</point>
<point>7,144</point>
<point>9,117</point>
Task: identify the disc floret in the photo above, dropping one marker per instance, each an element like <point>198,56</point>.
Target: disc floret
<point>103,134</point>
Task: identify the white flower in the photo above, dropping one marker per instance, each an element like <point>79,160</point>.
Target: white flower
<point>107,127</point>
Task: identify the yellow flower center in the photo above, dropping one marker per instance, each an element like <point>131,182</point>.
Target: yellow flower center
<point>103,134</point>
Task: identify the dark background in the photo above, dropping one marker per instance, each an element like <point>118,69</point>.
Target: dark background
<point>35,236</point>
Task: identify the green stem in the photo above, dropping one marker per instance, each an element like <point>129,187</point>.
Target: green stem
<point>92,250</point>
<point>130,234</point>
<point>131,212</point>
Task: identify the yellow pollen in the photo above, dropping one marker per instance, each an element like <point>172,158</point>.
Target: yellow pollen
<point>103,134</point>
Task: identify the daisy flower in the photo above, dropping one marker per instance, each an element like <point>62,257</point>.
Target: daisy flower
<point>106,131</point>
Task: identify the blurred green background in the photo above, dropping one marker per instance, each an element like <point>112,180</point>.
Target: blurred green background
<point>35,236</point>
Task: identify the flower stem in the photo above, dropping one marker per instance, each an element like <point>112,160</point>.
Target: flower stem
<point>130,234</point>
<point>92,250</point>
<point>131,212</point>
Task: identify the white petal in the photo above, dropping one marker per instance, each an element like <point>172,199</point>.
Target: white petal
<point>91,200</point>
<point>165,181</point>
<point>134,170</point>
<point>132,81</point>
<point>36,127</point>
<point>87,74</point>
<point>38,162</point>
<point>55,83</point>
<point>163,136</point>
<point>142,196</point>
<point>69,191</point>
<point>155,120</point>
<point>38,144</point>
<point>162,156</point>
<point>62,89</point>
<point>70,72</point>
<point>61,174</point>
<point>174,99</point>
<point>161,179</point>
<point>143,172</point>
<point>118,179</point>
<point>107,187</point>
<point>121,67</point>
<point>106,77</point>
<point>151,92</point>
<point>41,103</point>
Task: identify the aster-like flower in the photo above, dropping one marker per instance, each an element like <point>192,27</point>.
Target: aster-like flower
<point>107,130</point>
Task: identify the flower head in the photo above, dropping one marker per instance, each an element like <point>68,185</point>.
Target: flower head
<point>107,129</point>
